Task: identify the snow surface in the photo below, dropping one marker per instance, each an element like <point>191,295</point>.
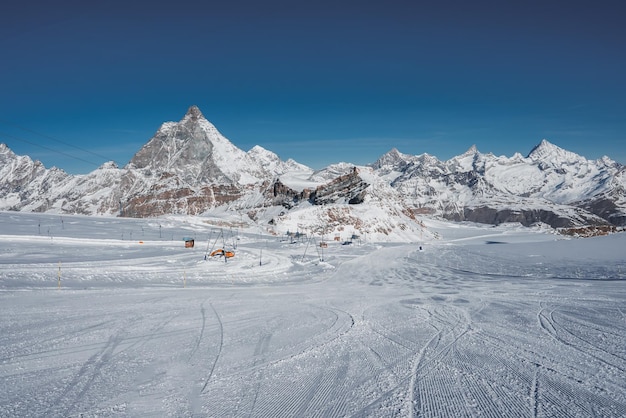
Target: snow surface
<point>484,321</point>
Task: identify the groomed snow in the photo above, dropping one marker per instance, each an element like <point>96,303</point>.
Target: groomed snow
<point>115,317</point>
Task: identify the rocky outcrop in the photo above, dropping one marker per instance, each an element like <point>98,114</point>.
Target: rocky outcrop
<point>280,194</point>
<point>349,188</point>
<point>528,217</point>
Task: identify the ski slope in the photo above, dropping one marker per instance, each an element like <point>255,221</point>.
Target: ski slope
<point>114,317</point>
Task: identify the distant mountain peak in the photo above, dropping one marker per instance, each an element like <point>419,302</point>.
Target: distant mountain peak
<point>546,147</point>
<point>4,149</point>
<point>393,159</point>
<point>550,153</point>
<point>259,150</point>
<point>471,150</point>
<point>394,156</point>
<point>543,147</point>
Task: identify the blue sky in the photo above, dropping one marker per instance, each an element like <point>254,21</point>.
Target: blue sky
<point>320,82</point>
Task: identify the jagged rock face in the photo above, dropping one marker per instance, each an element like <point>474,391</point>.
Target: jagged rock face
<point>189,150</point>
<point>529,217</point>
<point>18,173</point>
<point>605,208</point>
<point>183,201</point>
<point>192,152</point>
<point>611,204</point>
<point>27,184</point>
<point>283,195</point>
<point>349,188</point>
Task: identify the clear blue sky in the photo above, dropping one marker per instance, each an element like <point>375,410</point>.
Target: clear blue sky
<point>319,81</point>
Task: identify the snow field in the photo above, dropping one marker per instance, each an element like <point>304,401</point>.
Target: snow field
<point>532,326</point>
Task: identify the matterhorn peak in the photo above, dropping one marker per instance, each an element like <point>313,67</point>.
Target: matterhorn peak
<point>197,152</point>
<point>193,113</point>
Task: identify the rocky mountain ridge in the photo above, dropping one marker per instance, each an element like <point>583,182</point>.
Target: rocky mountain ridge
<point>550,185</point>
<point>188,167</point>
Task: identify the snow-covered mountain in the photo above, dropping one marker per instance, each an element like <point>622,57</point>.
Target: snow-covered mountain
<point>196,152</point>
<point>188,167</point>
<point>550,185</point>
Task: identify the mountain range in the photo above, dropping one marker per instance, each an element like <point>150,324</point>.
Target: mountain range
<point>189,167</point>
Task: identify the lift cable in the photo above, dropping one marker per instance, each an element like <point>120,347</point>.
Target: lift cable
<point>54,139</point>
<point>48,148</point>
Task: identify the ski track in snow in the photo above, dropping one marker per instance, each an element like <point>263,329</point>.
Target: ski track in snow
<point>154,329</point>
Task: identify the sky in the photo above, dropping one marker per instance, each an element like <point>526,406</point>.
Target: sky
<point>320,82</point>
